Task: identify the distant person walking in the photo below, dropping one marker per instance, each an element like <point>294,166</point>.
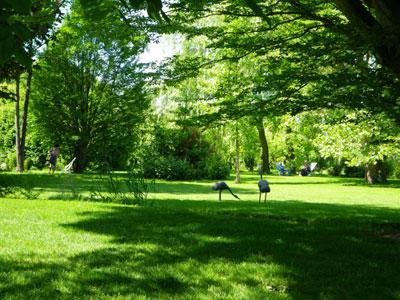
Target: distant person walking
<point>53,155</point>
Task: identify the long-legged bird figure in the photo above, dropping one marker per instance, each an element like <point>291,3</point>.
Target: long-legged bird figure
<point>263,186</point>
<point>220,186</point>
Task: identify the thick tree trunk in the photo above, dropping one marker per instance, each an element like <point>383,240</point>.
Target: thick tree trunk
<point>264,147</point>
<point>375,172</point>
<point>80,151</point>
<point>237,160</point>
<point>18,151</point>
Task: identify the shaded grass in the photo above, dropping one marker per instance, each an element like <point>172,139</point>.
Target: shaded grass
<point>320,240</point>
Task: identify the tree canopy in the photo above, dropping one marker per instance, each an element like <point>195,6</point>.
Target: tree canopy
<point>258,68</point>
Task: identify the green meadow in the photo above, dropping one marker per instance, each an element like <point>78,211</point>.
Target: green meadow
<point>314,238</point>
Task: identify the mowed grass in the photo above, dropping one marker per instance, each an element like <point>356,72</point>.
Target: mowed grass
<point>315,238</point>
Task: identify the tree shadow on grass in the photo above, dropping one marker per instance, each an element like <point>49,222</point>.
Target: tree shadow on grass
<point>106,272</point>
<point>323,249</point>
<point>50,183</point>
<point>392,183</point>
<point>194,249</point>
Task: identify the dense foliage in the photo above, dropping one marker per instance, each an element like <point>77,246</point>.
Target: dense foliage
<point>182,153</point>
<point>255,83</point>
<point>88,93</point>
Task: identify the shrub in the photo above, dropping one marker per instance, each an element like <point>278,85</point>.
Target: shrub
<point>358,172</point>
<point>28,163</point>
<point>217,169</point>
<point>150,166</point>
<point>169,168</point>
<point>7,186</point>
<point>11,161</point>
<point>396,171</point>
<point>395,166</point>
<point>172,168</point>
<point>250,163</point>
<point>335,170</point>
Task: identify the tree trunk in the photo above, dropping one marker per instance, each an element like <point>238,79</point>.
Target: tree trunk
<point>18,152</point>
<point>80,162</point>
<point>264,147</point>
<point>237,160</point>
<point>375,172</point>
<point>25,115</point>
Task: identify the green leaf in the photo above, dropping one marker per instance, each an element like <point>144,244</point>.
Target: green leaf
<point>21,6</point>
<point>6,48</point>
<point>23,58</point>
<point>137,4</point>
<point>21,31</point>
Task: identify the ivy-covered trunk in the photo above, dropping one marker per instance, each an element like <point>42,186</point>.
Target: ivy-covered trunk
<point>24,125</point>
<point>237,160</point>
<point>375,172</point>
<point>264,147</point>
<point>18,152</point>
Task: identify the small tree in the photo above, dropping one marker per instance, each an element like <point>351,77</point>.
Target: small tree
<point>362,139</point>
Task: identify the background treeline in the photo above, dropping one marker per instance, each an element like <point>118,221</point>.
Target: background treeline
<point>253,84</point>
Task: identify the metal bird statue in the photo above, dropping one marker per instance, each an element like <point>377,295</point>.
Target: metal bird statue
<point>263,186</point>
<point>220,186</point>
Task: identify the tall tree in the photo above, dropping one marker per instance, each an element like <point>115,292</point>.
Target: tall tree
<point>25,28</point>
<point>89,79</point>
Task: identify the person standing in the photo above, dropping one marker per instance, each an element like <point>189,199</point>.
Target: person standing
<point>306,169</point>
<point>53,155</point>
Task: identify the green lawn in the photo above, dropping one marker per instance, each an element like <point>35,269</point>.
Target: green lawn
<point>316,238</point>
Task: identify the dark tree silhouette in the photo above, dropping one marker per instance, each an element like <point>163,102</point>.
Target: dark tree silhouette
<point>220,186</point>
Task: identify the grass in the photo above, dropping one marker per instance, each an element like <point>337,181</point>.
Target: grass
<point>316,238</point>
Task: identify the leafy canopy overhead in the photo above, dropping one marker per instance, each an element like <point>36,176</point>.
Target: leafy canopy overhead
<point>375,23</point>
<point>286,65</point>
<point>23,23</point>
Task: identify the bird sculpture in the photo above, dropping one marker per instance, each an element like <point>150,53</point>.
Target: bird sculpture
<point>263,186</point>
<point>220,186</point>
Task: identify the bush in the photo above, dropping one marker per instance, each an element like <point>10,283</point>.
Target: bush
<point>172,168</point>
<point>7,186</point>
<point>396,172</point>
<point>41,161</point>
<point>335,170</point>
<point>28,163</point>
<point>150,166</point>
<point>169,168</point>
<point>217,169</point>
<point>392,166</point>
<point>11,161</point>
<point>250,163</point>
<point>396,169</point>
<point>358,172</point>
<point>175,169</point>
